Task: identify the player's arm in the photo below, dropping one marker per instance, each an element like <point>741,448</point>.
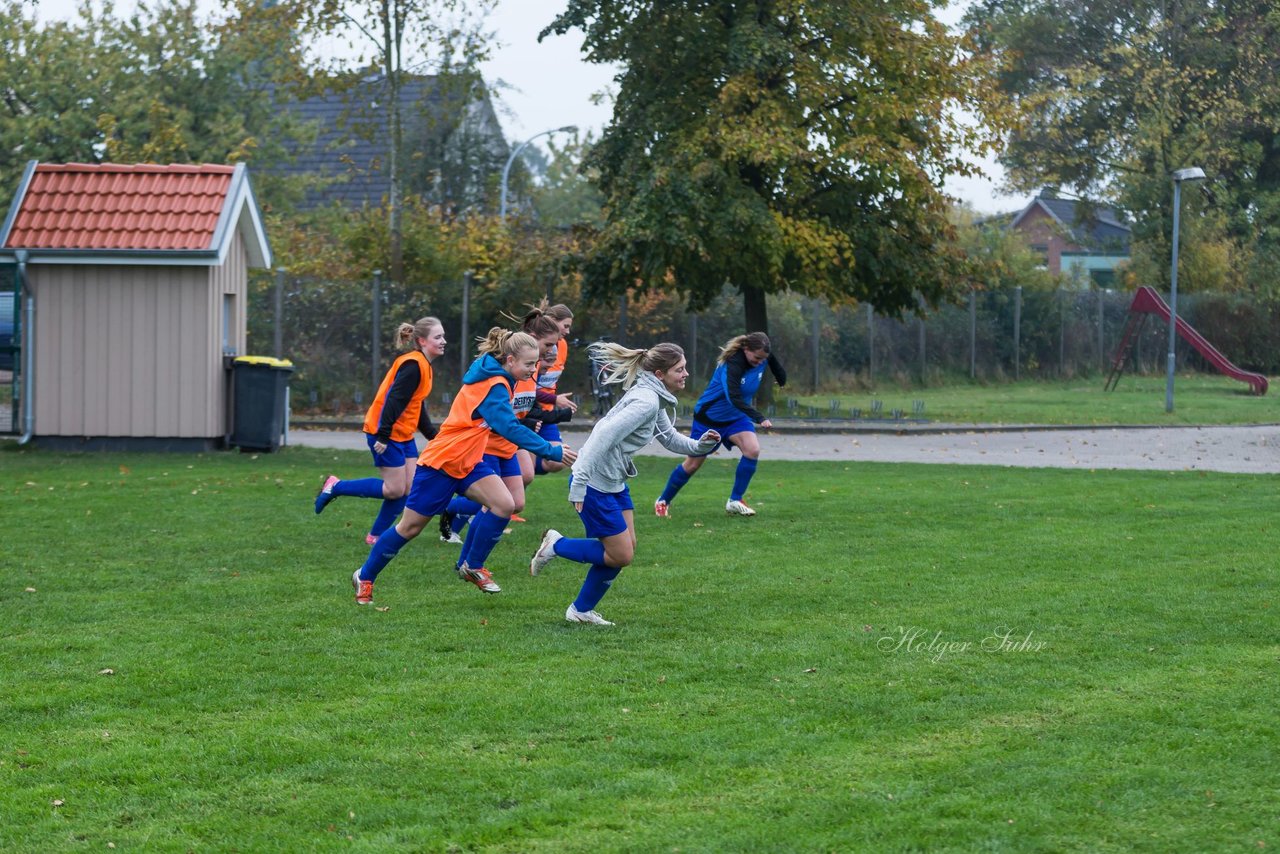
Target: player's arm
<point>676,442</point>
<point>537,417</point>
<point>779,372</point>
<point>496,410</point>
<point>733,371</point>
<point>425,425</point>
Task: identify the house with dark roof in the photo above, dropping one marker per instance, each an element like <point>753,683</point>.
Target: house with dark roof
<point>133,285</point>
<point>454,147</point>
<point>1087,242</point>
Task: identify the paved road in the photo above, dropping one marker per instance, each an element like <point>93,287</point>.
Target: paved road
<point>1250,450</point>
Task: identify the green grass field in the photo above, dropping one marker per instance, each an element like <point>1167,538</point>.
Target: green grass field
<point>887,658</point>
<point>1198,399</point>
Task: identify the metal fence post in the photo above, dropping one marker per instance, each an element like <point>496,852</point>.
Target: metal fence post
<point>973,334</point>
<point>814,346</point>
<point>277,329</point>
<point>375,348</point>
<point>924,363</point>
<point>1062,333</point>
<point>1102,358</point>
<point>871,345</point>
<point>466,320</point>
<point>1017,331</point>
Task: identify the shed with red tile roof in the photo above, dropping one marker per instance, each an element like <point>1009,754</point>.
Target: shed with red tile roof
<point>136,279</point>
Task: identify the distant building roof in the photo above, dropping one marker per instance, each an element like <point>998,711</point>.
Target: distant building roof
<point>1093,226</point>
<point>136,213</point>
<point>352,148</point>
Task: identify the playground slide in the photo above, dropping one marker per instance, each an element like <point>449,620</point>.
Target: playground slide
<point>1147,301</point>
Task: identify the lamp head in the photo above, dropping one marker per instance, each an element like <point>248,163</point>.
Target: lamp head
<point>1191,173</point>
<point>568,129</point>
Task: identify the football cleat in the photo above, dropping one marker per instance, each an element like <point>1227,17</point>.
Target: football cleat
<point>364,589</point>
<point>573,615</point>
<point>546,551</point>
<point>370,539</point>
<point>480,577</point>
<point>325,495</point>
<point>738,508</point>
<point>661,509</point>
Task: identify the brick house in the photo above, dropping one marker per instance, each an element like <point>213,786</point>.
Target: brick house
<point>1087,243</point>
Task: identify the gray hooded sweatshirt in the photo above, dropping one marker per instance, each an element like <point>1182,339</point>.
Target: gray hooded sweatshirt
<point>604,461</point>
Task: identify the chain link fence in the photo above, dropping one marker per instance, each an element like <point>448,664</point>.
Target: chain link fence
<point>339,335</point>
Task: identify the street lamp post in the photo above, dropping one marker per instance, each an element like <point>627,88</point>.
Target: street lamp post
<point>506,170</point>
<point>1192,173</point>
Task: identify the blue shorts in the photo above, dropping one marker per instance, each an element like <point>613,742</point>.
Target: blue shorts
<point>395,455</point>
<point>551,432</point>
<point>601,512</point>
<point>432,489</point>
<point>742,425</point>
<point>504,466</point>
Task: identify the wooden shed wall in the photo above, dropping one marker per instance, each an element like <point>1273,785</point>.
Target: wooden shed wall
<point>134,351</point>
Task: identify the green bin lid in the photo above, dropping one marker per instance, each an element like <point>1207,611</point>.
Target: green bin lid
<point>263,360</point>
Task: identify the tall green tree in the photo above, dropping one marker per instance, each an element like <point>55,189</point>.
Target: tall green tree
<point>1115,97</point>
<point>49,74</point>
<point>779,144</point>
<point>162,85</point>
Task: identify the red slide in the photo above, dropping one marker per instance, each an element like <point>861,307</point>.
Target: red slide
<point>1147,301</point>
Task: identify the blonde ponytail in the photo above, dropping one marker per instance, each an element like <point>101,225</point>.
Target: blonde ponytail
<point>501,343</point>
<point>621,365</point>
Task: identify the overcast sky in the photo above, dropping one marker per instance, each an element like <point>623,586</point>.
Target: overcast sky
<point>549,85</point>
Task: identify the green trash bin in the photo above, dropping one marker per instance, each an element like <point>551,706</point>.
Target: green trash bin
<point>260,385</point>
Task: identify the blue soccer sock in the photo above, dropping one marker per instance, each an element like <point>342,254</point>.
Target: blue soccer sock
<point>742,478</point>
<point>469,540</point>
<point>486,530</point>
<point>580,549</point>
<point>679,477</point>
<point>365,487</point>
<point>387,514</point>
<point>386,548</point>
<point>537,466</point>
<point>594,586</point>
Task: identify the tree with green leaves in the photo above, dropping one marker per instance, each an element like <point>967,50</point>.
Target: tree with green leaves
<point>1113,98</point>
<point>394,39</point>
<point>44,87</point>
<point>779,144</point>
<point>162,85</point>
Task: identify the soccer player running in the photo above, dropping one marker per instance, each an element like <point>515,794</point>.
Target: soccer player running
<point>726,405</point>
<point>549,379</point>
<point>500,453</point>
<point>453,462</point>
<point>598,485</point>
<point>398,409</point>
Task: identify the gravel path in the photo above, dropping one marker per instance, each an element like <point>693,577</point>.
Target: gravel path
<point>1249,450</point>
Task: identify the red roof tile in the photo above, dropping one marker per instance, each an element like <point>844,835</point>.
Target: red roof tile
<point>113,206</point>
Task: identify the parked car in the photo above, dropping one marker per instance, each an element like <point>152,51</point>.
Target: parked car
<point>7,352</point>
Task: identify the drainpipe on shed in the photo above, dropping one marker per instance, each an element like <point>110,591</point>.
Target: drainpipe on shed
<point>28,357</point>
